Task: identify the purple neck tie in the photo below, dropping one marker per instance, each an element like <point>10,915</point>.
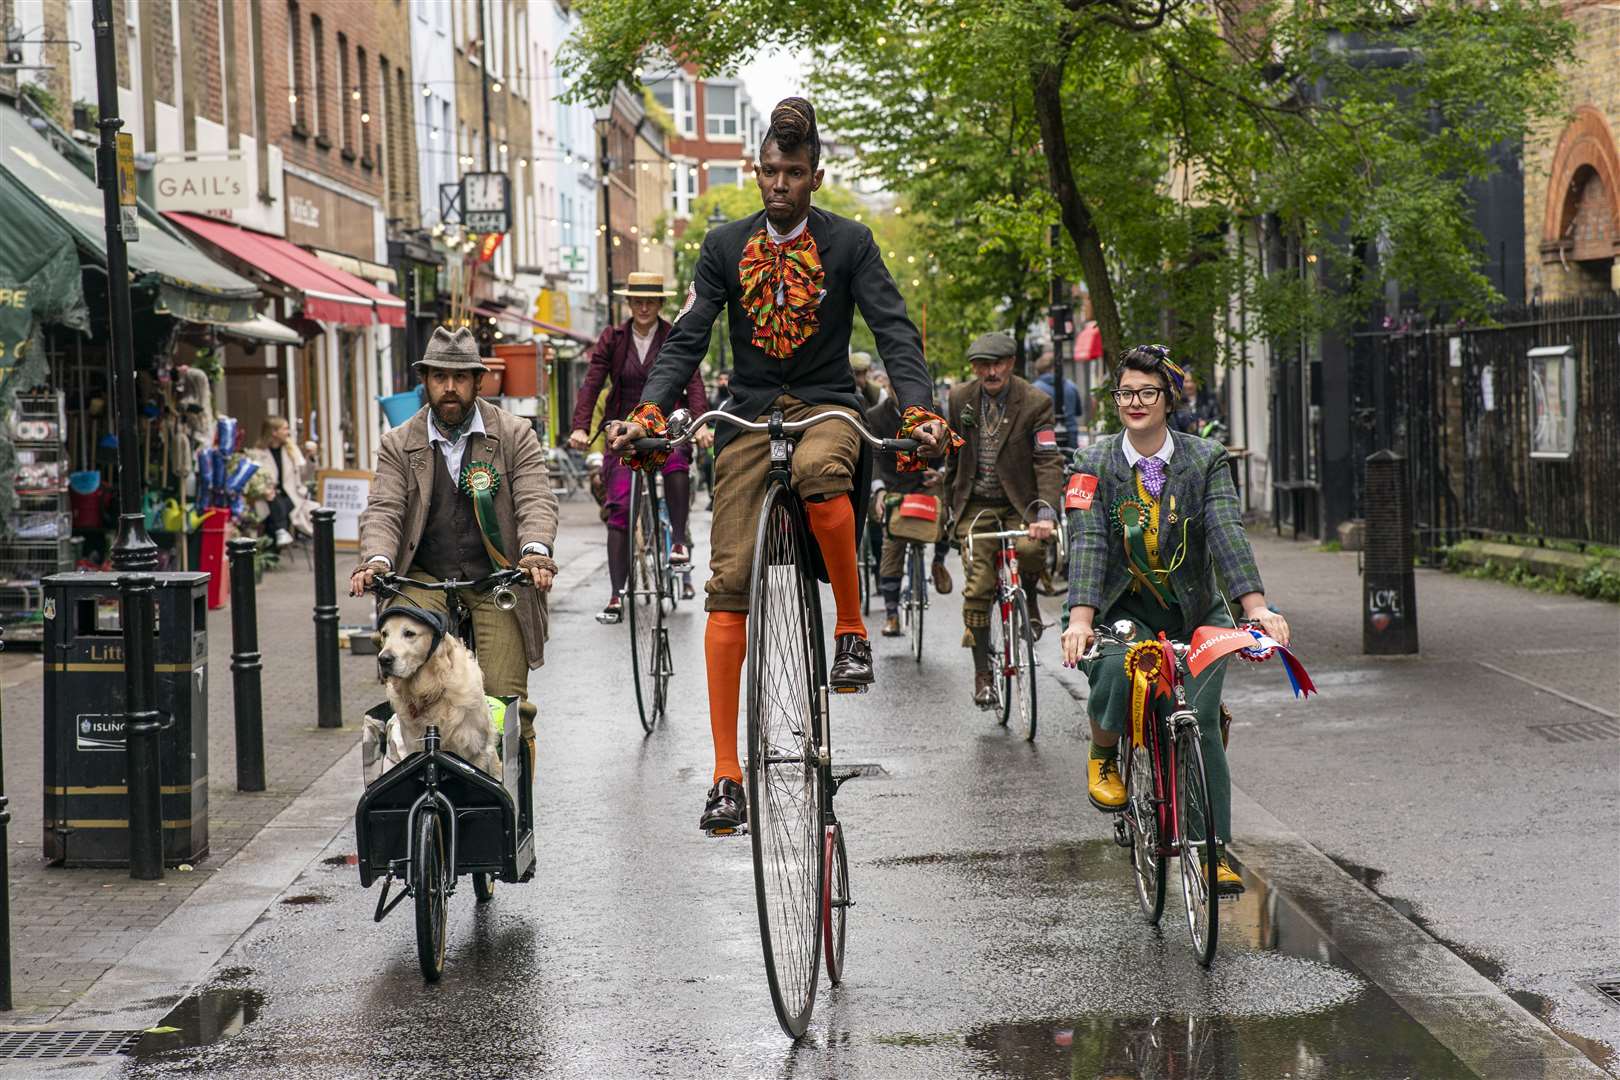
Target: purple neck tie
<point>1152,470</point>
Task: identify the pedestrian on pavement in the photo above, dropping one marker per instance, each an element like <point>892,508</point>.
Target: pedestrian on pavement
<point>277,456</point>
<point>1046,383</point>
<point>890,486</point>
<point>621,360</point>
<point>462,489</point>
<point>1007,476</point>
<point>791,277</point>
<point>1153,516</point>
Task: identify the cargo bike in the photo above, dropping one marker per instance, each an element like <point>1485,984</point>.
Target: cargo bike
<point>432,818</point>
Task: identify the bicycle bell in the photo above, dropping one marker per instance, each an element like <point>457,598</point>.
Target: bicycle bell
<point>678,422</point>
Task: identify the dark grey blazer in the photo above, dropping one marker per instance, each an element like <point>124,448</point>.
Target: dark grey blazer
<point>1201,481</point>
<point>818,372</point>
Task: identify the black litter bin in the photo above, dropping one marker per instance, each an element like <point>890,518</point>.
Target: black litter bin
<point>86,792</point>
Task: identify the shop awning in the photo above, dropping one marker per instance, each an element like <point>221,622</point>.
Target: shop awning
<point>360,268</point>
<point>328,294</point>
<point>262,328</point>
<point>544,327</point>
<point>190,285</point>
<point>39,270</point>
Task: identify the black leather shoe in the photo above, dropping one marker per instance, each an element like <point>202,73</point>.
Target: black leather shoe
<point>852,667</point>
<point>726,810</point>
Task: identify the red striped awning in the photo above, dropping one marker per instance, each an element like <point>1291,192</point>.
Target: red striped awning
<point>328,294</point>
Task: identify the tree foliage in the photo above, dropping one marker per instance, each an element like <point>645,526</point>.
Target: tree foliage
<point>1155,131</point>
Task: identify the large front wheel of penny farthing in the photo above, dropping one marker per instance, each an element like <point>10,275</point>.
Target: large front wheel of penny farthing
<point>641,602</point>
<point>784,779</point>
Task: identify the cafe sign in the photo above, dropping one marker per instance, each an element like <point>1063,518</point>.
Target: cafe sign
<point>201,185</point>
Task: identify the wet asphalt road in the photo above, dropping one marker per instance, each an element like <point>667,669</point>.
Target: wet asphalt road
<point>995,933</point>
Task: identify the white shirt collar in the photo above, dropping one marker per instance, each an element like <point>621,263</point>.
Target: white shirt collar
<point>792,234</point>
<point>1162,453</point>
<point>474,428</point>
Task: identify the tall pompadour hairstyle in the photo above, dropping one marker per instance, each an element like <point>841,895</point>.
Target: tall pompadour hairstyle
<point>793,124</point>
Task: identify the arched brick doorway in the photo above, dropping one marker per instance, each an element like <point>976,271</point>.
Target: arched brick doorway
<point>1581,225</point>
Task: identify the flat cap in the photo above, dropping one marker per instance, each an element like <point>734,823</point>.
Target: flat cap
<point>455,352</point>
<point>992,346</point>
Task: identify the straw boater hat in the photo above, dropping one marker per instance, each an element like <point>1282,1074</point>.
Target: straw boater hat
<point>453,352</point>
<point>643,284</point>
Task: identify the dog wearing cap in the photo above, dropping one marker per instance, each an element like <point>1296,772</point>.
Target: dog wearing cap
<point>433,679</point>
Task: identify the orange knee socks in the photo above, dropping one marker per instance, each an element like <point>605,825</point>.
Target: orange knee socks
<point>725,645</point>
<point>833,522</point>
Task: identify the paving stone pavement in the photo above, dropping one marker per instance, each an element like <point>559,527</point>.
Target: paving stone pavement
<point>68,926</point>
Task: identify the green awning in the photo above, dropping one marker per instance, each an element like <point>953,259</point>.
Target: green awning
<point>190,285</point>
<point>39,271</point>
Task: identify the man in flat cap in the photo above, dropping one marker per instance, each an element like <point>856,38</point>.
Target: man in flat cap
<point>1007,476</point>
<point>461,490</point>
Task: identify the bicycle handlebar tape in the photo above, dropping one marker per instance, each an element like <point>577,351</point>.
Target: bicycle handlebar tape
<point>832,520</point>
<point>910,420</point>
<point>725,646</point>
<point>651,417</point>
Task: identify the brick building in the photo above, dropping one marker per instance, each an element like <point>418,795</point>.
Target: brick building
<point>277,126</point>
<point>1572,170</point>
<point>717,132</point>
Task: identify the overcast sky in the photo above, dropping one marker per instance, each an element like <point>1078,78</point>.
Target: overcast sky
<point>772,76</point>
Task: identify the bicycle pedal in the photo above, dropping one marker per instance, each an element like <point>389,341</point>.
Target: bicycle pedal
<point>850,689</point>
<point>741,830</point>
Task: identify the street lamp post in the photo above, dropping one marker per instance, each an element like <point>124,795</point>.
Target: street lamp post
<point>133,549</point>
<point>717,218</point>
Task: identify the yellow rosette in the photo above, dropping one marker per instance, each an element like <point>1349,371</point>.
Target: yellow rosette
<point>1144,660</point>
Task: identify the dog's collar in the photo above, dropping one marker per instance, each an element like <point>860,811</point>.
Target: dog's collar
<point>430,619</point>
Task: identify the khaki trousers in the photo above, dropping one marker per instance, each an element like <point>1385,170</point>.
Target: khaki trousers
<point>992,516</point>
<point>824,461</point>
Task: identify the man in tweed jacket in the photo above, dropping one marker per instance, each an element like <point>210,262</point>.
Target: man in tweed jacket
<point>1156,541</point>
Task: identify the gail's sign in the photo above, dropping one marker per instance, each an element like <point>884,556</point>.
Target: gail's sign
<point>201,185</point>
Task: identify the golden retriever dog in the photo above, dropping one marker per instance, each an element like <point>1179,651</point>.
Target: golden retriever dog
<point>433,679</point>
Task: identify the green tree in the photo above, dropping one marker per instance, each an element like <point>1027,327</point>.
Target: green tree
<point>1354,126</point>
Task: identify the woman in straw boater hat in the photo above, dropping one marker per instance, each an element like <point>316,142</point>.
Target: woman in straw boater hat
<point>622,358</point>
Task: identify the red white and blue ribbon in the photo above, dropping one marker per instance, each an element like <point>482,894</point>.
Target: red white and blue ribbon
<point>1210,643</point>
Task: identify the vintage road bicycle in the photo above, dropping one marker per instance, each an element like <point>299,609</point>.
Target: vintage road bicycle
<point>1012,634</point>
<point>801,871</point>
<point>650,595</point>
<point>1167,812</point>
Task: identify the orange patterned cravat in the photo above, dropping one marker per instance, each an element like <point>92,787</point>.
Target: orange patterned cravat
<point>781,291</point>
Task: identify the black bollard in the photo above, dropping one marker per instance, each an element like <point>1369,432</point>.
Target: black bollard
<point>142,724</point>
<point>328,691</point>
<point>5,875</point>
<point>245,667</point>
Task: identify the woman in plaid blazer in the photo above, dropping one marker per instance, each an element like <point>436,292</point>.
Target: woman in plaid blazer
<point>1156,539</point>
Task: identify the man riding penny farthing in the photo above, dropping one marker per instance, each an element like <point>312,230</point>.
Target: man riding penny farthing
<point>792,277</point>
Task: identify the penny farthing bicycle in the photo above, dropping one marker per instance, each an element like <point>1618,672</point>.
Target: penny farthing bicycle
<point>801,872</point>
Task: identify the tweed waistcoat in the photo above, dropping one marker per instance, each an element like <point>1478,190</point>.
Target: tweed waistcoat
<point>451,545</point>
<point>992,430</point>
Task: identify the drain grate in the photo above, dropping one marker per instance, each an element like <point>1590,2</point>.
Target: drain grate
<point>39,1045</point>
<point>1609,988</point>
<point>1583,731</point>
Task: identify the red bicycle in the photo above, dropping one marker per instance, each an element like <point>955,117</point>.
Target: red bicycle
<point>1167,809</point>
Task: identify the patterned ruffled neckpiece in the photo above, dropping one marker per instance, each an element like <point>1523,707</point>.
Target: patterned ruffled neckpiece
<point>781,291</point>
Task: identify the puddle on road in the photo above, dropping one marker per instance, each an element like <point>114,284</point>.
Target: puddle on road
<point>1351,1040</point>
<point>200,1020</point>
<point>1332,1024</point>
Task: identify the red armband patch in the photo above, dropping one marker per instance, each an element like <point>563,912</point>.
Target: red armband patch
<point>1046,439</point>
<point>1081,490</point>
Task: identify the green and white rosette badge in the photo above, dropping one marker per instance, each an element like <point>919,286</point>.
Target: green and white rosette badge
<point>480,482</point>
